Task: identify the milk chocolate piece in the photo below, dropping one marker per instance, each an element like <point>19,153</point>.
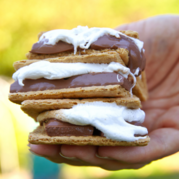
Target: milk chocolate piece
<point>85,80</point>
<point>54,127</point>
<point>57,128</point>
<point>42,48</point>
<point>136,57</point>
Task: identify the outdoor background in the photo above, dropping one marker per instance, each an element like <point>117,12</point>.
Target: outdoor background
<point>20,22</point>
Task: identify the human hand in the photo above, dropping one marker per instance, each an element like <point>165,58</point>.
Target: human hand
<point>161,43</point>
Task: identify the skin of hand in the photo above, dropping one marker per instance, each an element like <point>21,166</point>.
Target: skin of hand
<point>161,43</point>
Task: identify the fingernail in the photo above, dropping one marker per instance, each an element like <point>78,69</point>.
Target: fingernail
<point>102,157</point>
<point>69,158</point>
<point>34,153</point>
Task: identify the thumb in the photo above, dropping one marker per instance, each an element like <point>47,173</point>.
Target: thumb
<point>138,26</point>
<point>123,27</point>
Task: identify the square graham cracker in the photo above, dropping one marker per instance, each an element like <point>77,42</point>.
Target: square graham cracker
<point>39,136</point>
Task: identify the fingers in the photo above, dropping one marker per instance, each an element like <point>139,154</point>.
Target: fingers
<point>79,156</point>
<point>163,142</point>
<point>44,150</point>
<point>89,157</point>
<point>87,154</point>
<point>53,153</point>
<point>117,165</point>
<point>74,155</point>
<point>48,151</point>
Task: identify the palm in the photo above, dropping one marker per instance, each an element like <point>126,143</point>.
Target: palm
<point>162,69</point>
<point>161,39</point>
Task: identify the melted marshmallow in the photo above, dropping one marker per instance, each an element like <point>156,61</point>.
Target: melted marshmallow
<point>109,118</point>
<point>82,37</point>
<point>45,69</point>
<point>137,71</point>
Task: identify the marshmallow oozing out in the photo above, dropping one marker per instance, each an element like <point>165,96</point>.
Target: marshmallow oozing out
<point>82,36</point>
<point>45,69</point>
<point>109,118</point>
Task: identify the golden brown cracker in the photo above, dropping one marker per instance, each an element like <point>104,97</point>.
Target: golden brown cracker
<point>130,33</point>
<point>34,107</point>
<point>103,57</point>
<point>140,89</point>
<point>39,136</point>
<point>123,53</point>
<point>81,92</point>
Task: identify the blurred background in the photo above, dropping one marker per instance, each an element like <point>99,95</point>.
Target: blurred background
<point>20,22</point>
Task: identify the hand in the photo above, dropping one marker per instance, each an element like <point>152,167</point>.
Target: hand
<point>161,39</point>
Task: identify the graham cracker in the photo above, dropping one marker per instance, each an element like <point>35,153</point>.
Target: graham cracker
<point>140,89</point>
<point>81,92</point>
<point>130,33</point>
<point>39,136</point>
<point>123,53</point>
<point>103,57</point>
<point>34,107</point>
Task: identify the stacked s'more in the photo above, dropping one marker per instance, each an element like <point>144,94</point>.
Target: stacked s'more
<point>84,86</point>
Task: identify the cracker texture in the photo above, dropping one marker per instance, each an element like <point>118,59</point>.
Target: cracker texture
<point>83,92</point>
<point>93,57</point>
<point>123,53</point>
<point>38,136</point>
<point>34,107</point>
<point>140,89</point>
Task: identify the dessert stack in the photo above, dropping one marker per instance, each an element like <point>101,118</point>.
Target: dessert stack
<point>84,86</point>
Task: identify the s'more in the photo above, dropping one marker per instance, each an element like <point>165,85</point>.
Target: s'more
<point>84,86</point>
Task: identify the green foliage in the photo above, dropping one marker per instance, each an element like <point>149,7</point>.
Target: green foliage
<point>21,21</point>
